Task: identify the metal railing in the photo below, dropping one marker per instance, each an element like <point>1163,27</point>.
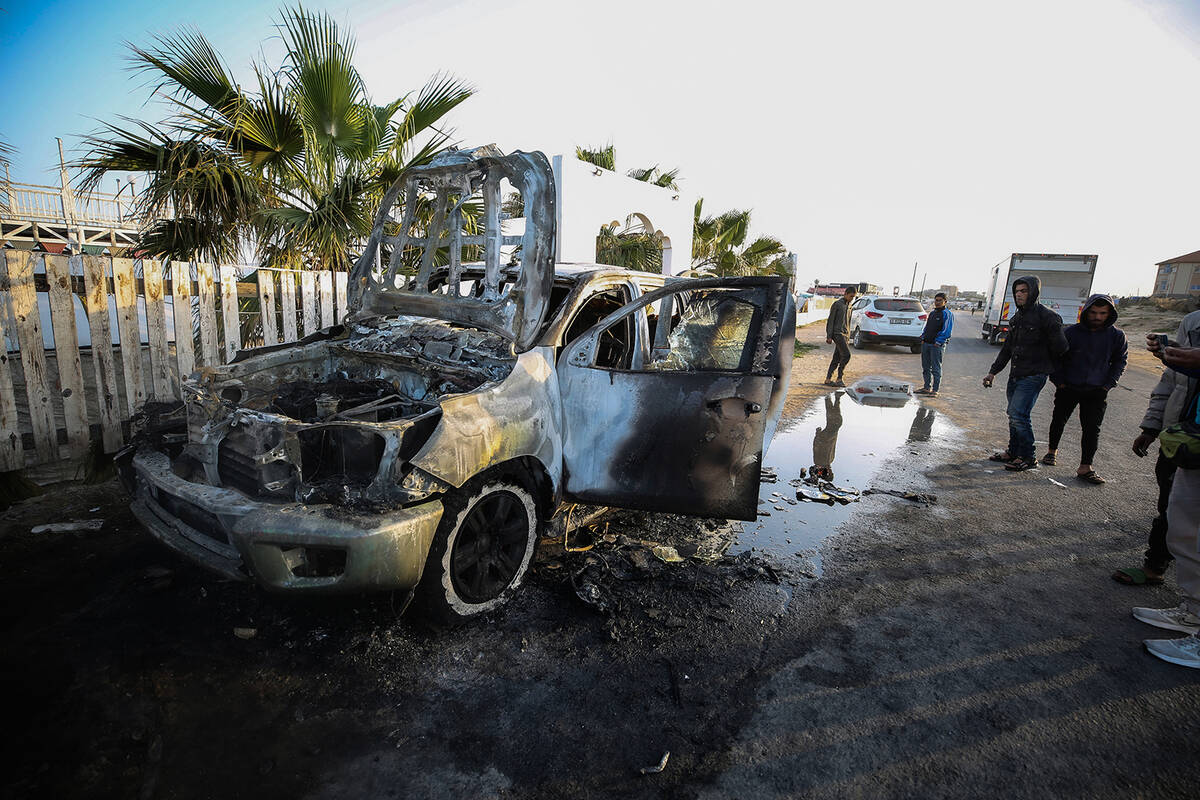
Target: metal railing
<point>27,201</point>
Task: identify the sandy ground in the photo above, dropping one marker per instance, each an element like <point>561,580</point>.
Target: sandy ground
<point>976,647</point>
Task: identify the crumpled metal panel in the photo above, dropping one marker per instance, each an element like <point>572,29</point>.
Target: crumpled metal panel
<point>512,300</point>
<point>519,417</point>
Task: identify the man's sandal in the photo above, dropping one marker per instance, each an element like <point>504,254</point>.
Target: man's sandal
<point>1135,576</point>
<point>1002,456</point>
<point>1091,477</point>
<point>1048,460</point>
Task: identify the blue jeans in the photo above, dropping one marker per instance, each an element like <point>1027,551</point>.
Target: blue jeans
<point>931,364</point>
<point>1022,394</point>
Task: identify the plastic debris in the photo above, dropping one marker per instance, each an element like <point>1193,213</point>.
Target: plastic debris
<point>667,554</point>
<point>245,633</point>
<point>74,525</point>
<point>1056,483</point>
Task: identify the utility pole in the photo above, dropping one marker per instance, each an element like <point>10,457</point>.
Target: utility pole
<point>912,285</point>
<point>924,275</point>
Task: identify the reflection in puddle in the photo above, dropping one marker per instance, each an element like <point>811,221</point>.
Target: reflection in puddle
<point>846,443</point>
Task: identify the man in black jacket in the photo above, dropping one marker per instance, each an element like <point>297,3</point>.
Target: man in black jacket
<point>1034,345</point>
<point>1093,365</point>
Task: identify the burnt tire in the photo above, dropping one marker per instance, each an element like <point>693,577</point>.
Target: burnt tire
<point>481,551</point>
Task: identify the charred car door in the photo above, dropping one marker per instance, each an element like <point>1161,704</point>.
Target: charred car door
<point>680,427</point>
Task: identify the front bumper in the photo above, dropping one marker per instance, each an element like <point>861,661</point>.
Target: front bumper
<point>289,547</point>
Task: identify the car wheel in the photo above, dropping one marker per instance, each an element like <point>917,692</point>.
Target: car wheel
<point>914,348</point>
<point>481,551</point>
<point>858,339</point>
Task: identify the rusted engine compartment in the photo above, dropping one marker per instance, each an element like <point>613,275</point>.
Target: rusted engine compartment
<point>334,419</point>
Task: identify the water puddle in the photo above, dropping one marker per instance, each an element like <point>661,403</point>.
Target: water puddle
<point>847,441</point>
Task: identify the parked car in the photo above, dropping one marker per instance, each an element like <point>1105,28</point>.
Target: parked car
<point>422,445</point>
<point>875,319</point>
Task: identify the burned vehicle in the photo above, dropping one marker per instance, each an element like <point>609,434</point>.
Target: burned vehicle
<point>421,445</point>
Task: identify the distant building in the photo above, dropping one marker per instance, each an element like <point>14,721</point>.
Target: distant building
<point>950,291</point>
<point>839,289</point>
<point>1178,277</point>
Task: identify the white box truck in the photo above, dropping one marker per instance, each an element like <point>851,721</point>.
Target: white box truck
<point>1066,284</point>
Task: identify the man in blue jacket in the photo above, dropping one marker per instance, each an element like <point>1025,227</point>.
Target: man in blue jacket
<point>933,345</point>
<point>1094,363</point>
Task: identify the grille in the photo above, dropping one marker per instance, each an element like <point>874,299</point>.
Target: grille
<point>196,518</point>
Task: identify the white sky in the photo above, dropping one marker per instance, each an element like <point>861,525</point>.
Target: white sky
<point>865,135</point>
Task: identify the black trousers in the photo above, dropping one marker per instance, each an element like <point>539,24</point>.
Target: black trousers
<point>1092,400</point>
<point>1158,557</point>
<point>841,356</point>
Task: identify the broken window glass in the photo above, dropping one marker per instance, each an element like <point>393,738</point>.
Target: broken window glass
<point>713,333</point>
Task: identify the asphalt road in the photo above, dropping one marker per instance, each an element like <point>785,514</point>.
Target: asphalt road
<point>976,647</point>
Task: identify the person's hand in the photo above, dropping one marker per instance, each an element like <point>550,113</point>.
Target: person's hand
<point>987,380</point>
<point>1186,357</point>
<point>1141,445</point>
<point>828,340</point>
<point>1152,344</point>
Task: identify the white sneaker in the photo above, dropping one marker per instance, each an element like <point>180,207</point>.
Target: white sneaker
<point>1173,619</point>
<point>1185,652</point>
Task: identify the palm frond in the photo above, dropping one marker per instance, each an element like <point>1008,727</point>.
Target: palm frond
<point>185,64</point>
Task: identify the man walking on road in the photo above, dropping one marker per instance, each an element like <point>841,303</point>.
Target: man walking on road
<point>837,333</point>
<point>933,345</point>
<point>1035,343</point>
<point>1093,365</point>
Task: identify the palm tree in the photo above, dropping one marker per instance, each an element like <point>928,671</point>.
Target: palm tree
<point>631,249</point>
<point>719,246</point>
<point>656,176</point>
<point>604,157</point>
<point>291,168</point>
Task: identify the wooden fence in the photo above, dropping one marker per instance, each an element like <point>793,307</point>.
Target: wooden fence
<point>170,318</point>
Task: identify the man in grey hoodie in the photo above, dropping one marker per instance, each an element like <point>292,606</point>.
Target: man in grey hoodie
<point>1167,403</point>
<point>1092,366</point>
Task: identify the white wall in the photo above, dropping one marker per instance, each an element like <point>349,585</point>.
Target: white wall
<point>587,201</point>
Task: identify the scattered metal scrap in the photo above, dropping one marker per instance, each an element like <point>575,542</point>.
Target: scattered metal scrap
<point>659,767</point>
<point>916,497</point>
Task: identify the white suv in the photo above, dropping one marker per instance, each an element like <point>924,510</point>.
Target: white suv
<point>887,320</point>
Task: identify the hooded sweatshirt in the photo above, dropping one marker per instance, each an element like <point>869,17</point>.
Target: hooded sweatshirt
<point>1035,340</point>
<point>1097,357</point>
<point>1170,398</point>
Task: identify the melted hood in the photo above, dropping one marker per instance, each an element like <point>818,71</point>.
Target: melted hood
<point>413,265</point>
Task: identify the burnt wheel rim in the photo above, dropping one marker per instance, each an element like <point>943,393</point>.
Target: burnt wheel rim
<point>490,547</point>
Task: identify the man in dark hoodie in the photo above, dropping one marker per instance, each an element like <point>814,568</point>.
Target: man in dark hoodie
<point>1093,365</point>
<point>1034,345</point>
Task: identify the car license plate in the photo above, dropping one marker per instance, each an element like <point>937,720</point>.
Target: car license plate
<point>899,321</point>
<point>883,387</point>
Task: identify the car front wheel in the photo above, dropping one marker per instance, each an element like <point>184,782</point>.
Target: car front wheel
<point>481,551</point>
<point>859,344</point>
<point>914,348</point>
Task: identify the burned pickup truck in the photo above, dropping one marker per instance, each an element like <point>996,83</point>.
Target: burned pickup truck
<point>421,445</point>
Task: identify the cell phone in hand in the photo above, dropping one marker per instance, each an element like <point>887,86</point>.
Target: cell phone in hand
<point>1163,341</point>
